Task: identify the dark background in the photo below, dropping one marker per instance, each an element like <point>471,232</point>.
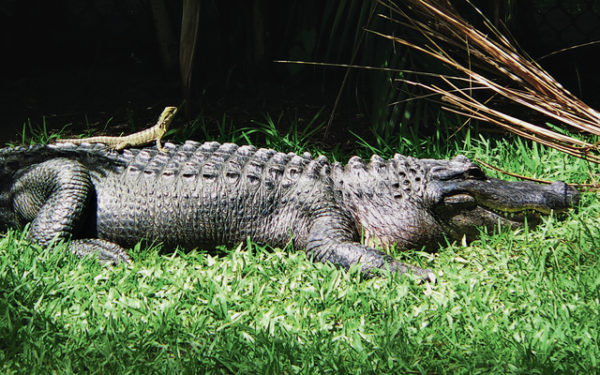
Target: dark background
<point>85,62</point>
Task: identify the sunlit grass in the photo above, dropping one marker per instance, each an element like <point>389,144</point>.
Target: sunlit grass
<point>511,302</point>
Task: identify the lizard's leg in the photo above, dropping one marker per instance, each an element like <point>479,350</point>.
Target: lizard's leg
<point>53,196</point>
<point>122,145</point>
<point>126,143</point>
<point>159,145</point>
<point>330,241</point>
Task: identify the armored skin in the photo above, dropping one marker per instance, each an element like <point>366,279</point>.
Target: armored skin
<point>199,195</point>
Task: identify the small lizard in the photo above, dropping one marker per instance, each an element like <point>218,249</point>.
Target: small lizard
<point>136,139</point>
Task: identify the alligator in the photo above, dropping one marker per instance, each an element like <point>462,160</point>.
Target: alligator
<point>200,195</point>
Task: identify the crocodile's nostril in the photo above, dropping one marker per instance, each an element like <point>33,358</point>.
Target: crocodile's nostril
<point>559,187</point>
<point>572,196</point>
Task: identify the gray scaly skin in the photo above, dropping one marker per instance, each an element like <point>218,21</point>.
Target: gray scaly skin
<point>202,195</point>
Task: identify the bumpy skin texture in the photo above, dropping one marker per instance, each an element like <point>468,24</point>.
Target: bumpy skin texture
<point>202,195</point>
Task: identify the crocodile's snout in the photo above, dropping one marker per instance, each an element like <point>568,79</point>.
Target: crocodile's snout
<point>562,196</point>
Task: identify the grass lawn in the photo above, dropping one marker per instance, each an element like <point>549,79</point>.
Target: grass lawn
<point>512,302</point>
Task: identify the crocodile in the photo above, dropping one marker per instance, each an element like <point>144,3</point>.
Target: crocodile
<point>201,195</point>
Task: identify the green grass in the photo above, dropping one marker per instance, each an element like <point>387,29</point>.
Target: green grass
<point>525,302</point>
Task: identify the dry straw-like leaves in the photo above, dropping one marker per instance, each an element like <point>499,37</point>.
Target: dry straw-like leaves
<point>490,64</point>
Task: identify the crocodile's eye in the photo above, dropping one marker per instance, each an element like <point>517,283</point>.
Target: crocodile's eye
<point>470,172</point>
<point>474,172</point>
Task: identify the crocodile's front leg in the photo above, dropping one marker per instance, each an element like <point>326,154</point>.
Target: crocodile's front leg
<point>53,196</point>
<point>330,241</point>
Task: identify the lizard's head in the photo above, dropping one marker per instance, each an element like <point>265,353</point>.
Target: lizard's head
<point>166,117</point>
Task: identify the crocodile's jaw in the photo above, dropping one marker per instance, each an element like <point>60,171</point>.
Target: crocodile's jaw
<point>491,202</point>
<point>461,216</point>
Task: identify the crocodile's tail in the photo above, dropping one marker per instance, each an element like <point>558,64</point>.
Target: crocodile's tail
<point>14,159</point>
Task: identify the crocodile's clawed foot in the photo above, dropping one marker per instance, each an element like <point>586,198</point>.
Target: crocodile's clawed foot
<point>106,252</point>
<point>426,276</point>
<point>422,275</point>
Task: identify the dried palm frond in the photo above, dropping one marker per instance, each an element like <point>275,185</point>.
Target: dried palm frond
<point>492,64</point>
